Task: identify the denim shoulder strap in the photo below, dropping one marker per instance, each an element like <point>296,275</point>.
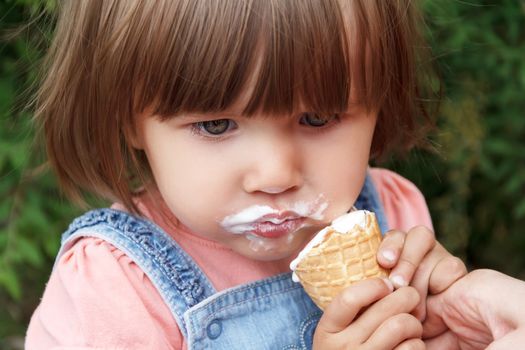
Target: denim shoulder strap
<point>369,199</point>
<point>178,279</point>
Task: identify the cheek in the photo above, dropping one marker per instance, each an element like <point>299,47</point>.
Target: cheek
<point>193,188</point>
<point>340,183</point>
<point>339,167</point>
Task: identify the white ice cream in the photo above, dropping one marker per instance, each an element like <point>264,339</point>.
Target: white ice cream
<point>342,224</point>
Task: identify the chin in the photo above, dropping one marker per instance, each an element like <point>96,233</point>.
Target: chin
<point>272,250</point>
<point>269,256</point>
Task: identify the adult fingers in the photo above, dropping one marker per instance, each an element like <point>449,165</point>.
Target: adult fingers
<point>395,331</point>
<point>418,242</point>
<point>344,308</point>
<point>390,248</point>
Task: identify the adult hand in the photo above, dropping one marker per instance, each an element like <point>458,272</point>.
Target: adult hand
<point>483,310</point>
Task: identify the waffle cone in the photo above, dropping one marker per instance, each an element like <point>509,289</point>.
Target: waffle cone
<point>340,260</point>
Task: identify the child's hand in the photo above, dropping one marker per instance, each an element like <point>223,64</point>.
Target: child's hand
<point>418,260</point>
<point>385,323</point>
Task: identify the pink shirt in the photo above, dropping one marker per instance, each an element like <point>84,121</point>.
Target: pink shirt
<point>97,298</point>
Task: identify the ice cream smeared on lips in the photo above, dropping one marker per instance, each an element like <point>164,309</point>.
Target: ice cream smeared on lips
<point>338,256</point>
<point>265,218</point>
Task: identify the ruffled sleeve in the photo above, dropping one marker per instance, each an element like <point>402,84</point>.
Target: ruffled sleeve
<point>97,298</point>
<point>404,205</point>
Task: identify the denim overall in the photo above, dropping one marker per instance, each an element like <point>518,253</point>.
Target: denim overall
<point>273,313</point>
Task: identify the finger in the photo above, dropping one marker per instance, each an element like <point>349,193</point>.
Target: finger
<point>394,331</point>
<point>421,278</point>
<point>447,271</point>
<point>401,301</point>
<point>437,272</point>
<point>411,344</point>
<point>390,248</point>
<point>445,340</point>
<point>344,308</point>
<point>420,311</point>
<point>418,242</point>
<point>434,325</point>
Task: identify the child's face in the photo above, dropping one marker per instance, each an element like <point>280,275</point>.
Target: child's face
<point>261,186</point>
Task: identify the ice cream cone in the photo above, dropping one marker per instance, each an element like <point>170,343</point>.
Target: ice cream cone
<point>338,259</point>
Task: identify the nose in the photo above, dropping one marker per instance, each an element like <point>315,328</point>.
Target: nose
<point>274,166</point>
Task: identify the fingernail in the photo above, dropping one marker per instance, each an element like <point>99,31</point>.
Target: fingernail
<point>389,255</point>
<point>388,284</point>
<point>398,281</point>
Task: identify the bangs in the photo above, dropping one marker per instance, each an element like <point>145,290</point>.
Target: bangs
<point>274,56</point>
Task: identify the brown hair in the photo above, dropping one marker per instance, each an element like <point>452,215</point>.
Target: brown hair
<point>112,59</point>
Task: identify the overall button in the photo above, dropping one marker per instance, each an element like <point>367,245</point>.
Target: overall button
<point>214,329</point>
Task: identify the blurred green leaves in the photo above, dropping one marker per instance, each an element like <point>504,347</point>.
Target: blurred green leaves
<point>477,195</point>
<point>32,212</point>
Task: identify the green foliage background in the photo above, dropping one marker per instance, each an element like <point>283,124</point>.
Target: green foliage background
<point>474,184</point>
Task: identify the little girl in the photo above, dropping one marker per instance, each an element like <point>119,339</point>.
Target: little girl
<point>227,133</point>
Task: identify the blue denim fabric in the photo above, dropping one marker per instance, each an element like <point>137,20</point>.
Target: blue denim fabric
<point>273,313</point>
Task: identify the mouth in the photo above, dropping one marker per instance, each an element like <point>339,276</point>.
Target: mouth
<point>268,222</point>
<point>273,225</point>
<point>276,228</point>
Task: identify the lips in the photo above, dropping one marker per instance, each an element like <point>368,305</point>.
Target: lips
<point>271,225</point>
<point>268,222</point>
<point>278,218</point>
<point>277,228</point>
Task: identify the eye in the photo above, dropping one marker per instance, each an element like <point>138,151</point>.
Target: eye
<point>316,120</point>
<point>215,127</point>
